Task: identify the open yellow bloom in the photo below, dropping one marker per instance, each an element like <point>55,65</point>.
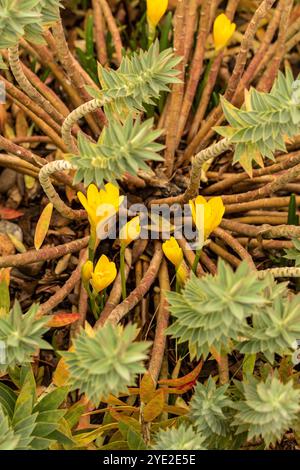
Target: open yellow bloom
<point>155,11</point>
<point>100,205</point>
<point>213,211</point>
<point>130,232</point>
<point>104,274</point>
<point>222,31</point>
<point>174,254</point>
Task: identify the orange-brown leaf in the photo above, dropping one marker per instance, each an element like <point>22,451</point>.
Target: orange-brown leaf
<point>43,226</point>
<point>62,319</point>
<point>185,380</point>
<point>9,214</point>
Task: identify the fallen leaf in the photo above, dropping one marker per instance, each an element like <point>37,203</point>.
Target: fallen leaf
<point>62,319</point>
<point>186,380</point>
<point>9,214</point>
<point>17,243</point>
<point>43,226</point>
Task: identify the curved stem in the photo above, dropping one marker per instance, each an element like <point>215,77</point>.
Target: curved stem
<point>44,177</point>
<point>211,152</point>
<point>279,272</point>
<point>72,119</point>
<point>195,177</point>
<point>25,85</point>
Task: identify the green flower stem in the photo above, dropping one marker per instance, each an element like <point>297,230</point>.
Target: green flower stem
<point>151,33</point>
<point>177,285</point>
<point>122,271</point>
<point>92,298</point>
<point>92,246</point>
<point>196,261</point>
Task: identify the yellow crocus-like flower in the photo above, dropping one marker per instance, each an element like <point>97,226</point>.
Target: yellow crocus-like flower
<point>100,205</point>
<point>174,254</point>
<point>155,11</point>
<point>213,211</point>
<point>173,251</point>
<point>87,271</point>
<point>222,31</point>
<point>130,232</point>
<point>104,274</point>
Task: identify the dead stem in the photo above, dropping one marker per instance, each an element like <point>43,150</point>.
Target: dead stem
<point>270,188</point>
<point>205,132</point>
<point>99,32</point>
<point>271,71</point>
<point>177,89</point>
<point>140,291</point>
<point>44,254</point>
<point>221,252</point>
<point>26,86</point>
<point>65,290</point>
<point>113,28</point>
<point>162,322</point>
<point>235,245</point>
<point>196,69</point>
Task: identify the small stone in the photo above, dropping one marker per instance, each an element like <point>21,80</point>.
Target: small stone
<point>10,227</point>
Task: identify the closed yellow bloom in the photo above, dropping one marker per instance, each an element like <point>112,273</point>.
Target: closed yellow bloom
<point>174,254</point>
<point>222,31</point>
<point>156,10</point>
<point>173,251</point>
<point>130,232</point>
<point>87,271</point>
<point>104,274</point>
<point>100,205</point>
<point>213,211</point>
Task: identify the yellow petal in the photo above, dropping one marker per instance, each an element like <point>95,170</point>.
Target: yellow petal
<point>112,190</point>
<point>130,232</point>
<point>173,251</point>
<point>83,200</point>
<point>182,273</point>
<point>104,274</point>
<point>155,10</point>
<point>92,195</point>
<point>223,30</point>
<point>217,211</point>
<point>102,263</point>
<point>87,271</point>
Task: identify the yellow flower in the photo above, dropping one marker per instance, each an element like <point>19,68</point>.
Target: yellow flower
<point>213,211</point>
<point>222,31</point>
<point>100,205</point>
<point>155,11</point>
<point>87,271</point>
<point>174,254</point>
<point>173,251</point>
<point>130,232</point>
<point>104,274</point>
